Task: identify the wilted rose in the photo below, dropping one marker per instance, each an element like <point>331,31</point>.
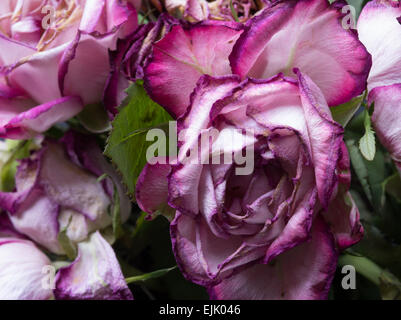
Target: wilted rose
<point>57,188</point>
<point>235,234</point>
<point>54,59</point>
<point>58,193</point>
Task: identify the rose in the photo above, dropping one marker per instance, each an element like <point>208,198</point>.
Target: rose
<point>379,29</point>
<point>236,234</point>
<point>57,192</point>
<point>57,188</point>
<point>51,70</point>
<point>26,273</point>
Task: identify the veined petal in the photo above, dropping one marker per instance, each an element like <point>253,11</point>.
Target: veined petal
<point>302,273</point>
<point>37,219</point>
<point>21,271</point>
<point>95,274</point>
<point>90,55</point>
<point>152,188</point>
<point>343,218</point>
<point>325,137</point>
<point>187,52</point>
<point>40,118</point>
<point>387,116</point>
<point>308,35</point>
<point>71,186</point>
<point>12,51</point>
<point>183,195</point>
<point>380,32</point>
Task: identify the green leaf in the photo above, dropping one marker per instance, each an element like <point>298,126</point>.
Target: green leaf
<point>360,168</point>
<point>8,171</point>
<point>148,276</point>
<point>390,286</point>
<point>344,112</point>
<point>17,150</point>
<point>66,243</point>
<point>367,144</point>
<point>94,118</point>
<point>102,177</point>
<point>233,12</point>
<point>127,144</point>
<point>357,4</point>
<point>392,185</point>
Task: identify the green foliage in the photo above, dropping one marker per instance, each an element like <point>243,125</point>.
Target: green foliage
<point>127,145</point>
<point>344,112</point>
<point>148,276</point>
<point>94,118</point>
<point>367,144</point>
<point>16,150</point>
<point>66,243</point>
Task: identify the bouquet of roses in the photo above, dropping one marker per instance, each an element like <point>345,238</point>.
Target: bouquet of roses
<point>230,149</point>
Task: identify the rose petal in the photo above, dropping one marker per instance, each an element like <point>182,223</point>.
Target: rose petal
<point>307,35</point>
<point>343,219</point>
<point>380,32</point>
<point>70,186</point>
<point>304,272</point>
<point>152,188</point>
<point>21,271</point>
<point>325,136</point>
<point>386,117</point>
<point>37,219</point>
<point>189,53</point>
<point>95,274</point>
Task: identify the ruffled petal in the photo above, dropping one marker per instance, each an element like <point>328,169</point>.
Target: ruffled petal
<point>95,274</point>
<point>302,273</point>
<point>343,219</point>
<point>387,116</point>
<point>152,188</point>
<point>325,137</point>
<point>12,51</point>
<point>40,118</point>
<point>91,55</point>
<point>22,271</point>
<point>308,35</point>
<point>70,186</point>
<point>84,151</point>
<point>204,258</point>
<point>380,32</point>
<point>29,75</point>
<point>37,218</point>
<point>187,52</point>
<point>183,193</point>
